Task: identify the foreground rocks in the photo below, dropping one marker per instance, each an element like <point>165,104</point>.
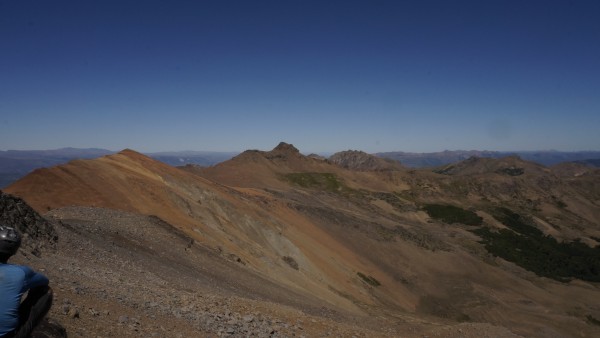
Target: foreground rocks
<point>38,233</point>
<point>113,278</point>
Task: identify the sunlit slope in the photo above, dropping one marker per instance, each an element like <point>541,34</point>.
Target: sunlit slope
<point>380,216</point>
<point>565,206</point>
<point>362,241</point>
<point>271,241</point>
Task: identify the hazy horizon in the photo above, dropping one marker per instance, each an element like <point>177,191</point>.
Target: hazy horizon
<point>325,76</point>
<point>303,152</point>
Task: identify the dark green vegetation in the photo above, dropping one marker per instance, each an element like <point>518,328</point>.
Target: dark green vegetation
<point>592,320</point>
<point>512,171</point>
<point>445,171</point>
<point>452,214</point>
<point>515,221</point>
<point>291,262</point>
<point>528,247</point>
<point>368,279</point>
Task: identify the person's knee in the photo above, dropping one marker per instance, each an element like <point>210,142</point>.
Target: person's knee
<point>50,292</point>
<point>46,296</point>
<point>39,298</point>
<point>40,291</point>
<point>50,295</point>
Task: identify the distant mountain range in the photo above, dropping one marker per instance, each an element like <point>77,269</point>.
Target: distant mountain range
<point>591,162</point>
<point>547,158</point>
<point>203,158</point>
<point>15,164</point>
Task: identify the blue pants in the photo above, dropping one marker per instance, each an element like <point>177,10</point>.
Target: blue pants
<point>32,310</point>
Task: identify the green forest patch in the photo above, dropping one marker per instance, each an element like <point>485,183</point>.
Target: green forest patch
<point>528,247</point>
<point>452,214</point>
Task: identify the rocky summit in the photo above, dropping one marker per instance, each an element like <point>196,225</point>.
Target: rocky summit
<point>278,244</point>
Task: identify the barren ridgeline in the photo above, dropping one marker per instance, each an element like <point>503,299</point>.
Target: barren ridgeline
<point>280,244</point>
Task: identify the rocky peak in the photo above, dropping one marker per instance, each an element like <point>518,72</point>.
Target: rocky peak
<point>283,147</point>
<point>283,150</point>
<point>131,153</point>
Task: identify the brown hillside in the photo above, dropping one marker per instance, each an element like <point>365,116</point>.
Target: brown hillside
<point>234,221</point>
<point>267,169</point>
<point>356,243</point>
<point>507,166</point>
<point>361,161</point>
<point>522,185</point>
<point>255,168</point>
<point>572,169</point>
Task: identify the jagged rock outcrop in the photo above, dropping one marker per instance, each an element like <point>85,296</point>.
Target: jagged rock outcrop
<point>38,234</point>
<point>283,151</point>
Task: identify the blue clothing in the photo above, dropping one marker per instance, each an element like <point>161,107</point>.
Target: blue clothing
<point>15,280</point>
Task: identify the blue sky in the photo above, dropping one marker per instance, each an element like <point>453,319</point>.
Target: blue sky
<point>324,75</point>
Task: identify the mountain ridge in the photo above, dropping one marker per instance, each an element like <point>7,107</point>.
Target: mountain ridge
<point>370,244</point>
<point>147,199</point>
<point>359,160</point>
<point>15,164</point>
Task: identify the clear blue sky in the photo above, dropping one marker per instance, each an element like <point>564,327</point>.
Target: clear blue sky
<point>323,75</point>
